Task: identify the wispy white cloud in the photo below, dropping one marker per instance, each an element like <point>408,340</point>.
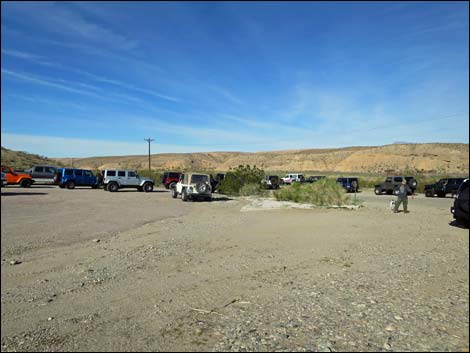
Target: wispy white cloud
<point>51,16</point>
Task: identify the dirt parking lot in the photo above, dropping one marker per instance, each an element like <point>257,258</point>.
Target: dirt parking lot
<point>130,271</point>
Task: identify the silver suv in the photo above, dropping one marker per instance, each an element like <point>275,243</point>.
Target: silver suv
<point>193,186</point>
<point>114,180</point>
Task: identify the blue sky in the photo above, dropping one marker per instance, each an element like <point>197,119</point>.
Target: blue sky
<point>96,78</point>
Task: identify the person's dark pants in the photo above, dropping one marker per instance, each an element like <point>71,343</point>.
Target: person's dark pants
<point>398,203</point>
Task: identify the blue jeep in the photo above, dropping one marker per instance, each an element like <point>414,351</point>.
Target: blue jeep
<point>349,184</point>
<point>71,177</point>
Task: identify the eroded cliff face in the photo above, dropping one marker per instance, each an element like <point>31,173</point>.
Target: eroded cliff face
<point>430,158</point>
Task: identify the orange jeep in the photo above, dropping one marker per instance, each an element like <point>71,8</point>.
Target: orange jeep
<point>15,178</point>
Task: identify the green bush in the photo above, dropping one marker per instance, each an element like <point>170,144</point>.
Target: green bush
<point>325,192</point>
<point>244,180</point>
<point>155,176</point>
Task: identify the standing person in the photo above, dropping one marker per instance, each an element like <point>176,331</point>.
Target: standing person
<point>403,191</point>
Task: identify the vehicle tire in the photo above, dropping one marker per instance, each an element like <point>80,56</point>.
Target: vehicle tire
<point>174,193</point>
<point>378,191</point>
<point>354,186</point>
<point>429,193</point>
<point>148,187</point>
<point>26,183</point>
<point>201,188</point>
<point>413,184</point>
<point>172,185</point>
<point>70,185</point>
<point>113,187</point>
<point>184,195</point>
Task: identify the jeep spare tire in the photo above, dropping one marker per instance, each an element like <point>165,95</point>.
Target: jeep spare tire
<point>202,188</point>
<point>148,187</point>
<point>413,183</point>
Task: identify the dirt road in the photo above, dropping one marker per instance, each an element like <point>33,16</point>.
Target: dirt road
<point>168,275</point>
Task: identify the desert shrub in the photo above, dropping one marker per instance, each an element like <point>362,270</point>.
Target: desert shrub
<point>154,175</point>
<point>244,179</point>
<point>325,192</point>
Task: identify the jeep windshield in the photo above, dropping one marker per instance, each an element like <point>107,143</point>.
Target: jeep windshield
<point>198,178</point>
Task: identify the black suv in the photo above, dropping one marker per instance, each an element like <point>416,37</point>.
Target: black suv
<point>460,210</point>
<point>392,183</point>
<point>349,184</point>
<point>443,187</point>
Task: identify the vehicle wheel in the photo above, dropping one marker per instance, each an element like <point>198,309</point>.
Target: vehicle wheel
<point>26,183</point>
<point>113,187</point>
<point>172,185</point>
<point>184,195</point>
<point>174,193</point>
<point>429,193</point>
<point>148,187</point>
<point>378,191</point>
<point>70,185</point>
<point>413,184</point>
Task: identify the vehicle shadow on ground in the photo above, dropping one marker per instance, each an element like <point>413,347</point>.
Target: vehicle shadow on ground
<point>23,193</point>
<point>457,224</point>
<point>221,198</point>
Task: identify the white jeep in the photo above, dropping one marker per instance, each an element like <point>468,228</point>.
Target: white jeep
<point>290,178</point>
<point>193,186</point>
<point>114,180</point>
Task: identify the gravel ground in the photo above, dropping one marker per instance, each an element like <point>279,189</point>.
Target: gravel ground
<point>89,270</point>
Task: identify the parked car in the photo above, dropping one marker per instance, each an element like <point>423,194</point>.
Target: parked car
<point>4,180</point>
<point>169,179</point>
<point>392,183</point>
<point>216,181</point>
<point>460,210</point>
<point>14,177</point>
<point>271,182</point>
<point>312,179</point>
<point>71,177</point>
<point>114,180</point>
<point>350,184</point>
<point>193,186</point>
<point>443,187</point>
<point>42,173</point>
<point>290,178</point>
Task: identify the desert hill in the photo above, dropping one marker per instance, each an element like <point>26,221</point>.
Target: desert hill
<point>23,160</point>
<point>440,158</point>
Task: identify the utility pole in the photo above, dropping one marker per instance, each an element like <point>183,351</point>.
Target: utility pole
<point>149,140</point>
